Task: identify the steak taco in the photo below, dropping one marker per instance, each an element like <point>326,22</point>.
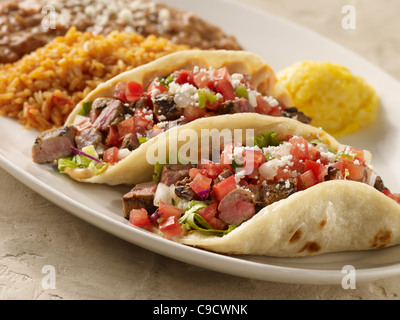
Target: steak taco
<point>106,132</point>
<point>290,191</point>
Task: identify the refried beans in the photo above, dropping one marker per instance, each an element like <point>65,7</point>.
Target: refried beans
<point>22,30</point>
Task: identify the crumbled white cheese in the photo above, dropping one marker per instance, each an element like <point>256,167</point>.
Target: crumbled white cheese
<point>280,151</point>
<point>236,80</point>
<point>271,101</point>
<point>239,176</point>
<point>184,95</point>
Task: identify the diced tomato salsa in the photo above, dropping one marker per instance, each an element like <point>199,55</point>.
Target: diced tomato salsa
<point>181,97</point>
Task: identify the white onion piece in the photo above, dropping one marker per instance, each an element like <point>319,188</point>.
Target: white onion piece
<point>269,169</point>
<point>163,193</point>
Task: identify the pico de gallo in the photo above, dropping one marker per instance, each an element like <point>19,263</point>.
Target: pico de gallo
<point>115,126</point>
<point>217,198</point>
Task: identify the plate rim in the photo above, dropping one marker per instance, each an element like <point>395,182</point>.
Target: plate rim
<point>263,272</point>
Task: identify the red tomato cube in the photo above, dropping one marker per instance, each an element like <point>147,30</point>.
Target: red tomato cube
<point>120,91</point>
<point>320,171</point>
<point>168,210</point>
<point>203,80</point>
<point>134,91</point>
<point>156,85</point>
<point>299,148</point>
<point>170,227</point>
<point>139,218</point>
<point>111,155</point>
<point>263,106</point>
<point>221,74</point>
<point>200,183</point>
<point>126,127</point>
<point>222,188</point>
<point>307,180</point>
<point>184,76</point>
<point>394,196</point>
<point>210,215</point>
<point>112,139</point>
<point>225,88</point>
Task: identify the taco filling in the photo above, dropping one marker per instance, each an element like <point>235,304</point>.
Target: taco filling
<point>217,198</point>
<point>113,127</point>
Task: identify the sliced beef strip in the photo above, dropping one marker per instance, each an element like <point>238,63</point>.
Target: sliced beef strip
<point>91,137</point>
<point>294,113</point>
<point>278,191</point>
<point>237,207</point>
<point>53,145</point>
<point>107,117</point>
<point>172,174</point>
<point>141,196</point>
<point>97,108</point>
<point>165,108</point>
<point>184,191</point>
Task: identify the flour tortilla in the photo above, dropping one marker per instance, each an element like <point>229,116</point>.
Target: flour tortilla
<point>333,216</point>
<point>130,170</point>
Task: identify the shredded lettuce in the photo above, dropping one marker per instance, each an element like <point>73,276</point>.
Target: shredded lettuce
<point>191,220</point>
<point>88,158</point>
<point>65,163</point>
<point>267,139</point>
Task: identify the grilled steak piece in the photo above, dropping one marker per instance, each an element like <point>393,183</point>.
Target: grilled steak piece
<point>223,176</point>
<point>140,104</point>
<point>333,174</point>
<point>113,111</point>
<point>130,142</point>
<point>278,191</point>
<point>379,185</point>
<point>141,196</point>
<point>294,113</point>
<point>165,108</point>
<point>53,145</point>
<point>97,108</point>
<point>238,106</point>
<point>237,207</point>
<point>91,137</point>
<point>184,191</point>
<point>172,174</point>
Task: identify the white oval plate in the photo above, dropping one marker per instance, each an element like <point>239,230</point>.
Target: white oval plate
<point>281,43</point>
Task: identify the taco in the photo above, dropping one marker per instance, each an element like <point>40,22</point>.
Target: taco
<point>291,191</point>
<point>104,134</point>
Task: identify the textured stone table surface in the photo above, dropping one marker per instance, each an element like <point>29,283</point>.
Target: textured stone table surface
<point>91,264</point>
